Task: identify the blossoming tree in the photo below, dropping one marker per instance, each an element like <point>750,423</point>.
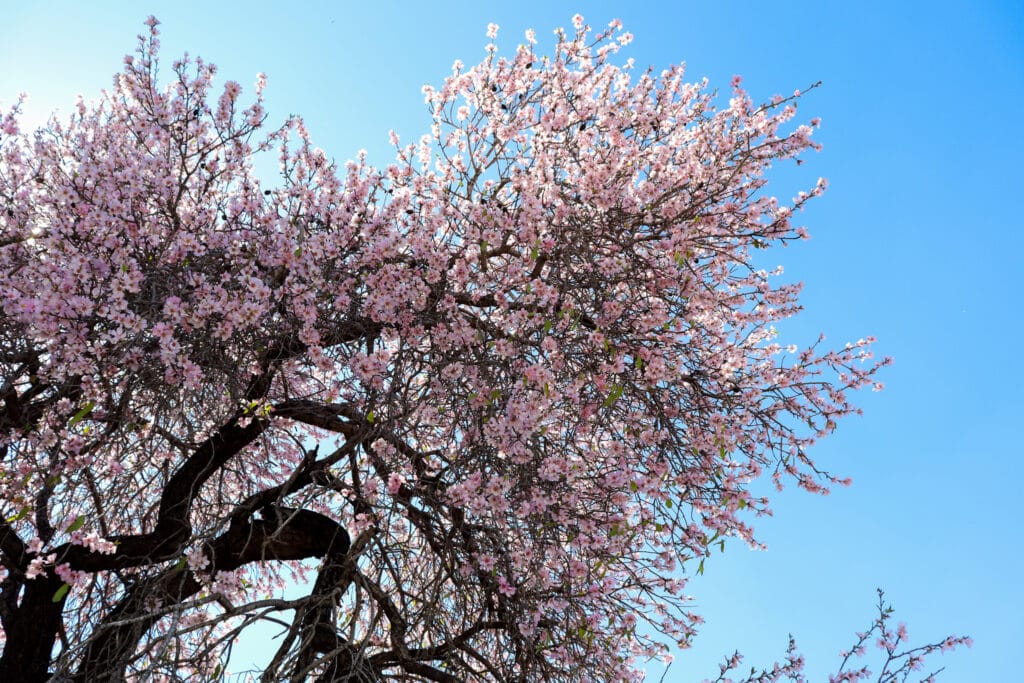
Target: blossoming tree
<point>491,404</point>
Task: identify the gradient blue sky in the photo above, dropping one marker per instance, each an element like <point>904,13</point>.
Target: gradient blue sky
<point>918,242</point>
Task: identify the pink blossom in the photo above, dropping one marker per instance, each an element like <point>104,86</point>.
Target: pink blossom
<point>530,369</point>
<point>505,588</point>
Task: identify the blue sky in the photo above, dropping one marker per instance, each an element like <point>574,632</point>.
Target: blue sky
<point>918,242</point>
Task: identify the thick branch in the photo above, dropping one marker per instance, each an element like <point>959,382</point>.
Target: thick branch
<point>22,412</point>
<point>12,547</point>
<point>319,414</point>
<point>283,534</point>
<point>31,631</point>
<point>172,526</point>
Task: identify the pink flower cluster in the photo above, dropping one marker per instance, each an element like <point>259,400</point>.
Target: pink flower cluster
<point>537,350</point>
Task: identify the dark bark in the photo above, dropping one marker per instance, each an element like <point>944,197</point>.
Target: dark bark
<point>23,411</point>
<point>318,633</point>
<point>32,619</point>
<point>31,631</point>
<point>283,534</point>
<point>172,530</point>
<point>33,622</point>
<point>110,650</point>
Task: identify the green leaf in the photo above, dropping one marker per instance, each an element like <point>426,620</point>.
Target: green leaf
<point>297,252</point>
<point>180,564</point>
<point>21,515</point>
<point>700,567</point>
<point>77,417</point>
<point>61,592</point>
<point>77,524</point>
<point>613,395</point>
<point>371,417</point>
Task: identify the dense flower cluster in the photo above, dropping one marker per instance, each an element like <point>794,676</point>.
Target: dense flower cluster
<point>537,355</point>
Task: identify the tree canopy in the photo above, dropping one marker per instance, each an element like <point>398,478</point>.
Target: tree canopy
<point>508,391</point>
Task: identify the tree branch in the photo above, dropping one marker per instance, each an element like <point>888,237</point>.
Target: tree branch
<point>283,534</point>
<point>172,526</point>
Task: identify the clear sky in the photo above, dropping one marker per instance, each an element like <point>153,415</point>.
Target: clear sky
<point>918,242</point>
